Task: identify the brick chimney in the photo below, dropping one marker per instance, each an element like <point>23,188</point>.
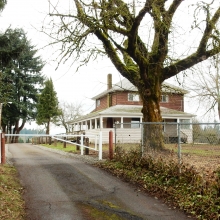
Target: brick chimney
<point>109,81</point>
<point>109,86</point>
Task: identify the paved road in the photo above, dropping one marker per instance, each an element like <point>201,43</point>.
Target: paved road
<point>59,187</point>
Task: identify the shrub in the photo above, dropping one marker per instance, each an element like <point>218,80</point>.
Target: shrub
<point>178,184</point>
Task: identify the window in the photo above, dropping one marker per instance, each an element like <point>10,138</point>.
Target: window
<point>133,97</point>
<point>164,98</point>
<point>185,123</point>
<point>97,102</point>
<point>135,123</point>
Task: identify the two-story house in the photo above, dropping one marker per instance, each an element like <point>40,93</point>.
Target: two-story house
<point>120,103</point>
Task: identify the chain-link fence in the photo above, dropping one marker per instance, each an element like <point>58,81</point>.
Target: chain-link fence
<point>197,144</point>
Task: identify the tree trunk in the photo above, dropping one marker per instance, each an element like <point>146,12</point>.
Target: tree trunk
<point>152,133</point>
<point>48,127</point>
<point>218,109</point>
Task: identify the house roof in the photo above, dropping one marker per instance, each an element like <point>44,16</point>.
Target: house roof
<point>130,110</point>
<point>126,85</point>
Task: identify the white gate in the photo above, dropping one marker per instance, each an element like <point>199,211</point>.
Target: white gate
<point>63,138</point>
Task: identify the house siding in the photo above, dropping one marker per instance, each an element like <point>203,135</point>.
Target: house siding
<point>175,101</point>
<point>121,98</point>
<point>123,135</point>
<point>103,104</point>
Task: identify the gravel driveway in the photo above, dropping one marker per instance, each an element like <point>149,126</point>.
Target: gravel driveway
<point>63,187</point>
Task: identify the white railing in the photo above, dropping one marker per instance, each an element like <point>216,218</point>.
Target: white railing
<point>98,149</point>
<point>81,145</point>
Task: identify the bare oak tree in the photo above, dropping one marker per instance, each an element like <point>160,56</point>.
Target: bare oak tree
<point>70,111</point>
<point>137,36</point>
<point>206,87</point>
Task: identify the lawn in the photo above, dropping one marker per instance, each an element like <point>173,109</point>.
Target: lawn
<point>11,202</point>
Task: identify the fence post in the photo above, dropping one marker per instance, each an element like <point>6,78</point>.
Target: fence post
<point>3,160</point>
<point>81,144</point>
<point>87,144</point>
<point>55,142</point>
<point>50,140</point>
<point>100,145</point>
<point>64,143</point>
<point>115,134</point>
<point>78,142</point>
<point>96,142</point>
<point>110,145</point>
<point>142,139</point>
<point>179,145</point>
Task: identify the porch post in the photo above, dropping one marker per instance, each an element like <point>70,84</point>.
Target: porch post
<point>90,124</point>
<point>101,122</point>
<point>95,123</point>
<point>122,122</point>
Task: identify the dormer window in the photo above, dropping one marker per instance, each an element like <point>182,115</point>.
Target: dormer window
<point>97,102</point>
<point>164,98</point>
<point>133,97</point>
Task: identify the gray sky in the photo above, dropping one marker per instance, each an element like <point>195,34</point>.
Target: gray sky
<point>71,86</point>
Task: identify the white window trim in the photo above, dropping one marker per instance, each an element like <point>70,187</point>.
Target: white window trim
<point>98,102</point>
<point>165,99</point>
<point>135,97</point>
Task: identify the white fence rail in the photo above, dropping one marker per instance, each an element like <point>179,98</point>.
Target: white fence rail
<point>60,137</point>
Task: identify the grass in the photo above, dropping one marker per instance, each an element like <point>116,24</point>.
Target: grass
<point>69,147</point>
<point>204,150</point>
<point>11,202</point>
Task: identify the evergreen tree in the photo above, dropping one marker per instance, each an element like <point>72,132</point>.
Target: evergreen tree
<point>2,4</point>
<point>10,49</point>
<point>47,108</point>
<point>25,79</point>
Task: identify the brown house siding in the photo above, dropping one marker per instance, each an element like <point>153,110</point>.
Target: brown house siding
<point>175,101</point>
<point>121,98</point>
<point>103,103</point>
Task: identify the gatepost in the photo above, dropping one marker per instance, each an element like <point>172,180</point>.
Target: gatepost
<point>3,159</point>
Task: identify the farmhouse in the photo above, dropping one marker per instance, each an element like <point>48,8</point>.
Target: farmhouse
<point>120,104</point>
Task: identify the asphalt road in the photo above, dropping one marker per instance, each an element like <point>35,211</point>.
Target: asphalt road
<point>60,187</point>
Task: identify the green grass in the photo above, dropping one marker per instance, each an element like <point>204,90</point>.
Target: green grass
<point>72,148</point>
<point>197,149</point>
<point>11,202</point>
<point>69,147</point>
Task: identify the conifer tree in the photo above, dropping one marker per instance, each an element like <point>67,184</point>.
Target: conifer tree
<point>21,80</point>
<point>47,107</point>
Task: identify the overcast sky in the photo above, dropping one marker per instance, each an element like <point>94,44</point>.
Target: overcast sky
<point>71,86</point>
